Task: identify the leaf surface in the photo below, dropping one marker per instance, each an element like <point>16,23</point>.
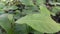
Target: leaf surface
<point>41,22</point>
<point>5,23</point>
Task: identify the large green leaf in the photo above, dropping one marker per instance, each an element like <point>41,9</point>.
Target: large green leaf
<point>40,22</point>
<point>5,23</point>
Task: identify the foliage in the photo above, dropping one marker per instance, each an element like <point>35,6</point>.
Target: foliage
<point>29,17</point>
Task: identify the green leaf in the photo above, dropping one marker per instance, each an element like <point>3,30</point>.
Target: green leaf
<point>5,23</point>
<point>21,29</point>
<point>11,18</point>
<point>1,6</point>
<point>31,10</point>
<point>13,7</point>
<point>37,32</point>
<point>39,22</point>
<point>44,10</point>
<point>56,9</point>
<point>27,2</point>
<point>1,12</point>
<point>38,2</point>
